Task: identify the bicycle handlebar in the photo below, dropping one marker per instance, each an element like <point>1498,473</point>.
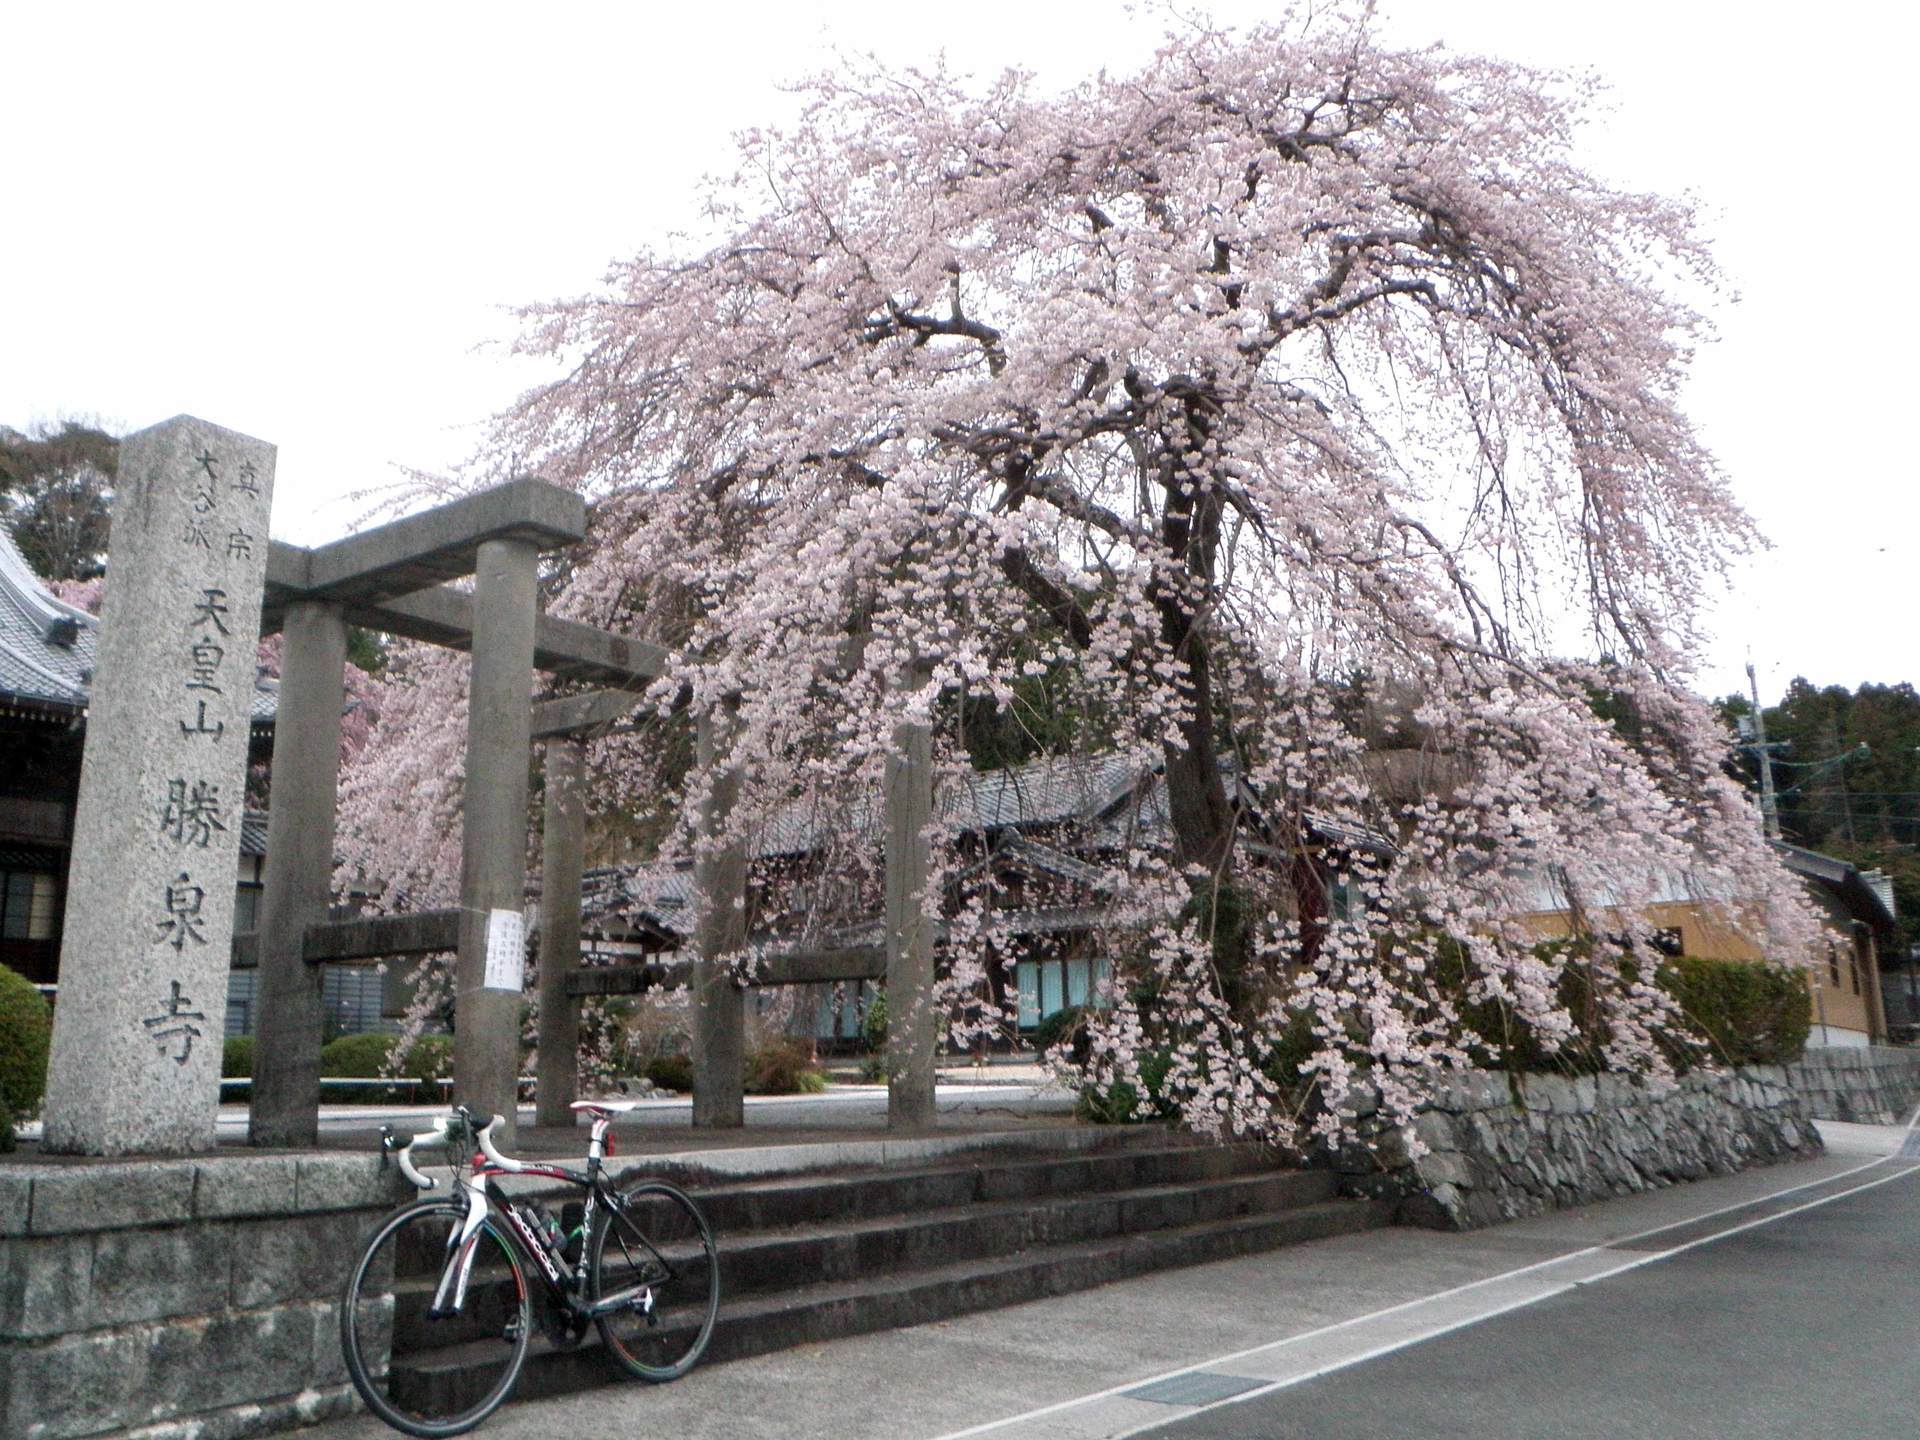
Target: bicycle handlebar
<point>494,1157</point>
<point>436,1136</point>
<point>443,1134</point>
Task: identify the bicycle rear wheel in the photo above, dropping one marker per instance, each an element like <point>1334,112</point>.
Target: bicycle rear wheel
<point>447,1372</point>
<point>656,1250</point>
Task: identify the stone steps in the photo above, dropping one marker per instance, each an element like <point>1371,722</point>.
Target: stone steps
<point>844,1250</point>
<point>817,1257</point>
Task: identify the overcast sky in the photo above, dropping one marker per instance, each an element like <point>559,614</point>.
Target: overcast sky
<point>308,224</point>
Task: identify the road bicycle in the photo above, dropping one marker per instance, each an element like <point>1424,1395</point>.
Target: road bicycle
<point>450,1276</point>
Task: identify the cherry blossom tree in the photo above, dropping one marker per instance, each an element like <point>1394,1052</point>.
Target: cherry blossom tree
<point>1306,406</point>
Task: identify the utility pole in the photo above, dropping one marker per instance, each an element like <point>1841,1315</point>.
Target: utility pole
<point>1769,810</point>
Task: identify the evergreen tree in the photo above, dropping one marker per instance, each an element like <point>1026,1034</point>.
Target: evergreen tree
<point>56,489</point>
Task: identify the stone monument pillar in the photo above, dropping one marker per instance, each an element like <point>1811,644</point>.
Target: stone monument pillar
<point>156,846</point>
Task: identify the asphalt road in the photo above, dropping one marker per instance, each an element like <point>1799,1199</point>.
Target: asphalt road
<point>1804,1326</point>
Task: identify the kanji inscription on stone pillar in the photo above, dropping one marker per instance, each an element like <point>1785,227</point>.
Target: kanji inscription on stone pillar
<point>150,893</point>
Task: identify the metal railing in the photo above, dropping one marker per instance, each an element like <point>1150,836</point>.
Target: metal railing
<point>438,1091</point>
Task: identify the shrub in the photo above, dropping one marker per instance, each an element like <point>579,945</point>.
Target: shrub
<point>649,1027</point>
<point>1066,1027</point>
<point>6,1126</point>
<point>26,1031</point>
<point>783,1066</point>
<point>236,1058</point>
<point>1291,1049</point>
<point>1119,1103</point>
<point>873,1025</point>
<point>357,1056</point>
<point>671,1072</point>
<point>1747,1012</point>
<point>1750,1014</point>
<point>1507,1043</point>
<point>873,1033</point>
<point>430,1057</point>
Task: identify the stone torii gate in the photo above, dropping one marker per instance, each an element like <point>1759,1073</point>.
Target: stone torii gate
<point>393,579</point>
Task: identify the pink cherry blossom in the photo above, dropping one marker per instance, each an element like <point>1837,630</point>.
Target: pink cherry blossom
<point>1304,408</point>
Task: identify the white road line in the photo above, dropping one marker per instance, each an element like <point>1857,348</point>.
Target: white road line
<point>1569,1260</point>
<point>1348,1361</point>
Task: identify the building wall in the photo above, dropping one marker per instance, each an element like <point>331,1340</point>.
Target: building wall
<point>1845,989</point>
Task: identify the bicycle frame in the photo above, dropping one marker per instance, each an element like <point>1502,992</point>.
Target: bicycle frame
<point>483,1197</point>
<point>467,1252</point>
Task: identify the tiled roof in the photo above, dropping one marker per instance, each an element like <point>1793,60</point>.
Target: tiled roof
<point>1042,792</point>
<point>1104,802</point>
<point>658,894</point>
<point>1843,878</point>
<point>1045,792</point>
<point>1058,864</point>
<point>47,645</point>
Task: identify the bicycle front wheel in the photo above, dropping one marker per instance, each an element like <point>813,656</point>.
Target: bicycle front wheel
<point>653,1252</point>
<point>425,1369</point>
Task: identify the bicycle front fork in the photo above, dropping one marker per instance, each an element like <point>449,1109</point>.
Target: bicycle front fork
<point>451,1294</point>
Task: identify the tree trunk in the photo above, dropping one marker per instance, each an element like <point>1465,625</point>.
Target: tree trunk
<point>1202,814</point>
<point>1197,801</point>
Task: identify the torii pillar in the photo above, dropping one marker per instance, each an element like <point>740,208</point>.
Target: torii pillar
<point>388,578</point>
<point>298,881</point>
<point>563,839</point>
<point>720,932</point>
<point>491,971</point>
<point>913,1022</point>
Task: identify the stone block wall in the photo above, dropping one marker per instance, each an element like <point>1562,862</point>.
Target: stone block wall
<point>1494,1153</point>
<point>178,1299</point>
<point>1873,1086</point>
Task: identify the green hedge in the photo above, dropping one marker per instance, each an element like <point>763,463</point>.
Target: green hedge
<point>431,1058</point>
<point>1746,1013</point>
<point>26,1031</point>
<point>372,1056</point>
<point>1750,1014</point>
<point>357,1056</point>
<point>236,1058</point>
<point>779,1067</point>
<point>1509,1044</point>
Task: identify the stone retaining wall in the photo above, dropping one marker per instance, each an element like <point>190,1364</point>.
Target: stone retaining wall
<point>178,1299</point>
<point>1575,1141</point>
<point>1877,1086</point>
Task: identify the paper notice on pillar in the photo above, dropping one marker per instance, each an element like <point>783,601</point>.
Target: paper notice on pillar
<point>506,951</point>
